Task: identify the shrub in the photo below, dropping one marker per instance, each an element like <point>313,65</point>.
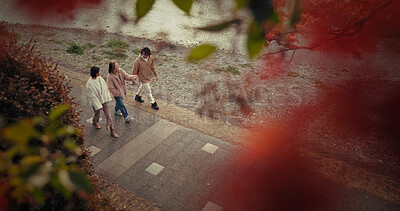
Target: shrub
<point>115,55</point>
<point>234,70</point>
<point>74,48</point>
<point>136,51</point>
<point>88,45</point>
<point>34,170</point>
<point>30,86</point>
<point>117,43</point>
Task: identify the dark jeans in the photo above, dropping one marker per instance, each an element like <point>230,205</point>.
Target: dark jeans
<point>119,105</point>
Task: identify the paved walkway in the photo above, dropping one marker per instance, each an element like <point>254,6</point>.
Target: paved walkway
<point>178,168</point>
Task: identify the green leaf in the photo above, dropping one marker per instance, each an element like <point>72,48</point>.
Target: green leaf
<point>255,40</point>
<point>80,181</point>
<point>201,52</point>
<point>241,4</point>
<point>184,5</point>
<point>31,159</point>
<point>274,18</point>
<point>70,145</point>
<point>143,7</point>
<point>56,183</point>
<point>219,26</point>
<point>21,132</point>
<point>39,180</point>
<point>58,111</point>
<point>38,195</point>
<point>65,180</point>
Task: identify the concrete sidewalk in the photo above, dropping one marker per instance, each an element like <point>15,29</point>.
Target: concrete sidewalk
<point>179,168</point>
<point>170,165</point>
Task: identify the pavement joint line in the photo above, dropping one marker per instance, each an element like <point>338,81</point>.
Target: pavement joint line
<point>106,165</point>
<point>122,157</point>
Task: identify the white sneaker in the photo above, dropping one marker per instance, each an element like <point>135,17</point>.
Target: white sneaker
<point>118,113</point>
<point>128,119</point>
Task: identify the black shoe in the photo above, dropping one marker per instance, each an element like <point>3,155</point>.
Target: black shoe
<point>139,99</point>
<point>154,106</point>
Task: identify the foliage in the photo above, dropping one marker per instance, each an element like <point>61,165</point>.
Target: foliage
<point>345,26</point>
<point>234,70</point>
<point>142,7</point>
<point>117,44</point>
<point>115,55</point>
<point>338,26</point>
<point>34,170</point>
<point>79,49</point>
<point>89,45</point>
<point>74,48</point>
<point>119,48</point>
<point>136,51</point>
<point>184,5</point>
<point>230,69</point>
<point>201,52</point>
<point>30,86</point>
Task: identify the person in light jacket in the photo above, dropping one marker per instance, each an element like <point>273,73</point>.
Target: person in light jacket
<point>99,96</point>
<point>116,84</point>
<point>144,68</point>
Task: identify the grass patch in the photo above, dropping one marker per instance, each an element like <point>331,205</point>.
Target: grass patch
<point>293,74</point>
<point>50,34</point>
<point>117,44</point>
<point>96,58</point>
<point>59,42</point>
<point>136,51</point>
<point>174,66</point>
<point>78,49</point>
<point>245,65</point>
<point>88,45</point>
<point>74,48</point>
<point>115,55</point>
<point>230,69</point>
<point>234,70</point>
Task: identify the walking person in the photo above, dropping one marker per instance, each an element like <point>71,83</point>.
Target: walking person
<point>116,84</point>
<point>144,68</point>
<point>99,96</point>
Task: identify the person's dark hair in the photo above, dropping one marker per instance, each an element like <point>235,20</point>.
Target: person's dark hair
<point>146,51</point>
<point>93,71</point>
<point>111,67</point>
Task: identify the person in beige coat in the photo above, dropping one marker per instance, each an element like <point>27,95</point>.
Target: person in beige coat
<point>144,68</point>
